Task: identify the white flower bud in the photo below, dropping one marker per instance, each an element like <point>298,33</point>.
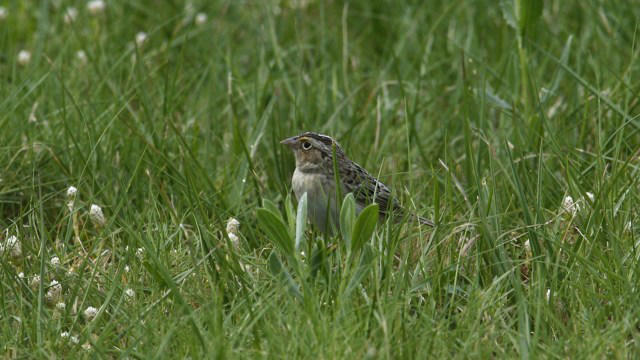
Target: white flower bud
<point>24,57</point>
<point>235,240</point>
<point>70,15</point>
<point>201,18</point>
<point>35,281</point>
<point>55,261</point>
<point>570,206</point>
<point>81,56</point>
<point>72,191</point>
<point>130,293</point>
<point>96,7</point>
<point>12,246</point>
<point>141,38</point>
<point>233,226</point>
<point>90,313</point>
<point>96,215</point>
<point>54,293</point>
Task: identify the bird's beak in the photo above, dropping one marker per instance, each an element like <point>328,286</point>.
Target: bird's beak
<point>289,141</point>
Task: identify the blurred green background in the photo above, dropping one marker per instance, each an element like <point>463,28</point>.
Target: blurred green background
<point>486,116</point>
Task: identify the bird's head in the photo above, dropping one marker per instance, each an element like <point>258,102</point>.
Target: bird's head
<point>312,150</point>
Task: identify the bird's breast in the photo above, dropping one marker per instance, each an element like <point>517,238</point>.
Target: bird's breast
<point>320,192</point>
<point>311,183</point>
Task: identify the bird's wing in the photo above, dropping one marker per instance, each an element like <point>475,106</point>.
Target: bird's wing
<point>367,189</point>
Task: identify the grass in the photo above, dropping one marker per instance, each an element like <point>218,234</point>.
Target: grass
<point>482,118</point>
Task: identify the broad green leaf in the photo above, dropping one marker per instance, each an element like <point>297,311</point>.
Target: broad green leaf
<point>278,270</point>
<point>275,229</point>
<point>301,220</point>
<point>347,217</point>
<point>291,214</point>
<point>365,225</point>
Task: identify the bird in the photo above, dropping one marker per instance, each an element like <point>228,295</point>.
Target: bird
<point>314,175</point>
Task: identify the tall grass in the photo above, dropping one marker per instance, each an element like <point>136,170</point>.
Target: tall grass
<point>514,126</point>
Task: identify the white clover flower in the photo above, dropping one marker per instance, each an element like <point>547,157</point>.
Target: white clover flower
<point>71,195</point>
<point>570,206</point>
<point>96,7</point>
<point>140,253</point>
<point>233,225</point>
<point>72,191</point>
<point>96,215</point>
<point>201,18</point>
<point>12,246</point>
<point>61,306</point>
<point>54,293</point>
<point>74,339</point>
<point>127,268</point>
<point>527,247</point>
<point>55,261</point>
<point>35,281</point>
<point>81,56</point>
<point>24,57</point>
<point>86,346</point>
<point>3,13</point>
<point>235,240</point>
<point>90,313</point>
<point>70,15</point>
<point>130,293</point>
<point>65,334</point>
<point>21,275</point>
<point>141,38</point>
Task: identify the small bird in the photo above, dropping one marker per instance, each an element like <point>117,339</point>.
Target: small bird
<point>314,176</point>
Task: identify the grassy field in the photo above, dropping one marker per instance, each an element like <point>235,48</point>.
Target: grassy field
<point>130,133</point>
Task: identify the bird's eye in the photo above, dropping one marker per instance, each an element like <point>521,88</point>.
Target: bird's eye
<point>306,145</point>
